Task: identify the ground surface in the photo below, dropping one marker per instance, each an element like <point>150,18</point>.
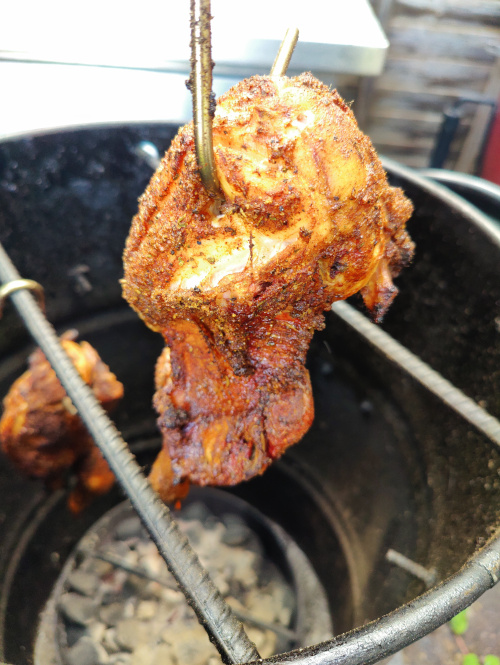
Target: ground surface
<point>443,647</point>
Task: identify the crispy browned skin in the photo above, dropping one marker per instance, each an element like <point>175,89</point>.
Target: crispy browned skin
<point>238,287</point>
<point>41,432</point>
<point>219,427</point>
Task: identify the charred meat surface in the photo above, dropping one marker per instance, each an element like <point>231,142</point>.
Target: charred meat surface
<point>41,432</point>
<point>237,286</point>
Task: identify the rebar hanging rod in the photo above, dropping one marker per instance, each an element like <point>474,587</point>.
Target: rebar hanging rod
<point>201,87</point>
<point>223,628</point>
<point>285,52</point>
<point>203,97</point>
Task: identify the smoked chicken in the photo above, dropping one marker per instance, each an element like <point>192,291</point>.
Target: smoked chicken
<point>238,284</point>
<point>43,435</point>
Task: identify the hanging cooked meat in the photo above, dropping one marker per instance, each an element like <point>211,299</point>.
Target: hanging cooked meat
<point>43,435</point>
<point>237,286</point>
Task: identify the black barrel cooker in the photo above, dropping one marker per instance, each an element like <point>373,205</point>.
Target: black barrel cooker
<point>385,466</point>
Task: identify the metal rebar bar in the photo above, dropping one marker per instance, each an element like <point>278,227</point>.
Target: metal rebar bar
<point>285,52</point>
<point>203,97</point>
<point>427,575</point>
<point>214,614</point>
<point>419,370</point>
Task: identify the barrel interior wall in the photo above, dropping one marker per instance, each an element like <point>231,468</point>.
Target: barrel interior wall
<point>362,455</point>
<point>66,202</point>
<point>451,293</point>
<point>446,313</point>
<point>454,474</point>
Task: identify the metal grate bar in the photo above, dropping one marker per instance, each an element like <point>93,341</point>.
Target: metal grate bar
<point>214,614</point>
<point>420,371</point>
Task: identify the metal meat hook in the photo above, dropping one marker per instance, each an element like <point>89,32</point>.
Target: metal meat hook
<point>200,83</point>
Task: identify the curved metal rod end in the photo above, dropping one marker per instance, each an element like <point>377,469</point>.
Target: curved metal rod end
<point>17,285</point>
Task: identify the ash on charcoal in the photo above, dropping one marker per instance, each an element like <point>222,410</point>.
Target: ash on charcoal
<point>120,658</point>
<point>96,630</point>
<point>111,614</point>
<point>74,633</point>
<point>236,532</point>
<point>109,641</point>
<point>99,568</point>
<point>129,528</point>
<point>130,612</point>
<point>133,633</point>
<point>161,654</point>
<point>84,652</point>
<point>77,609</point>
<point>84,582</point>
<point>196,511</point>
<point>146,609</point>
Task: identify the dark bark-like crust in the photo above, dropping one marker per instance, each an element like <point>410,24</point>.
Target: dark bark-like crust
<point>41,432</point>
